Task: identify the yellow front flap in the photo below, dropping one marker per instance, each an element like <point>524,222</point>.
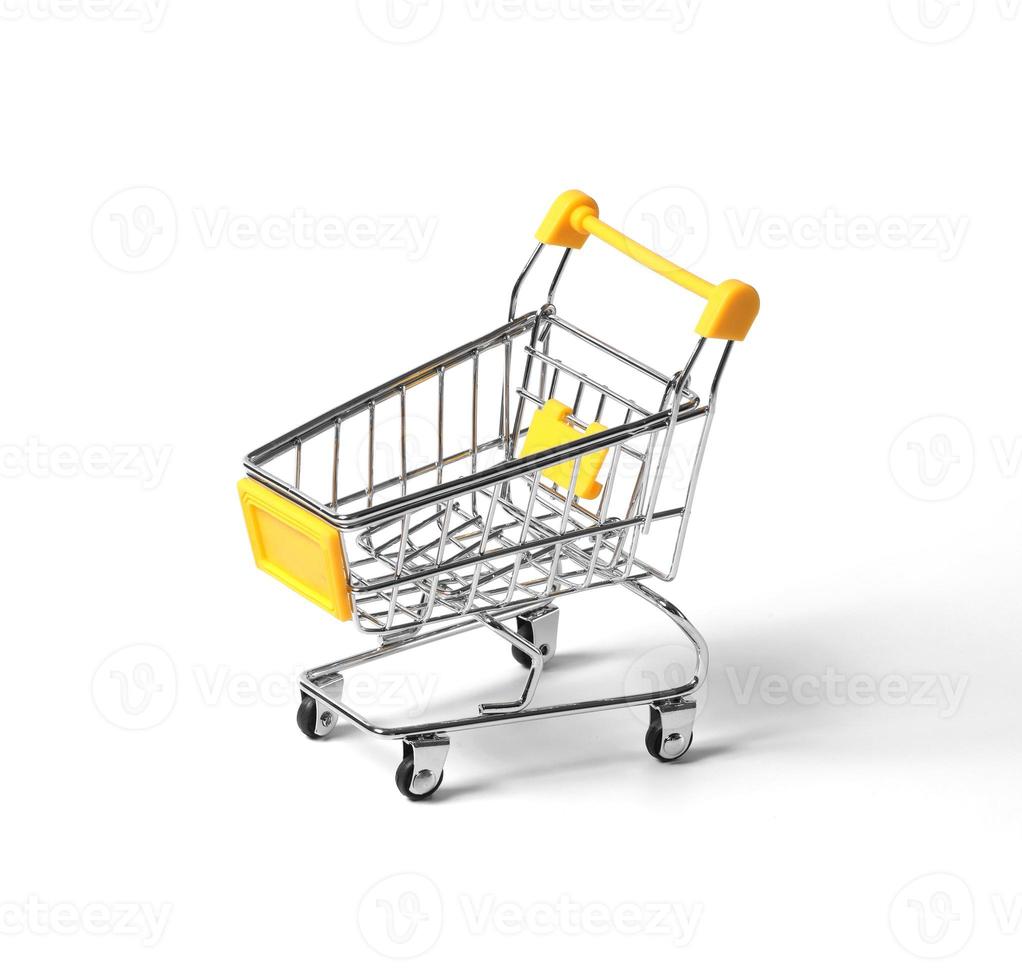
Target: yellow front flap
<point>300,549</point>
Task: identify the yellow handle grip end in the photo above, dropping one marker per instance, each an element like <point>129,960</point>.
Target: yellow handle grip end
<point>730,310</point>
<point>562,225</point>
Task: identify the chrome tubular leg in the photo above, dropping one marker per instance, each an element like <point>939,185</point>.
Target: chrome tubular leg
<point>532,646</point>
<point>535,655</point>
<point>672,612</point>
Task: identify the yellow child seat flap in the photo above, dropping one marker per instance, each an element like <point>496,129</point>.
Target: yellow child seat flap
<point>551,428</point>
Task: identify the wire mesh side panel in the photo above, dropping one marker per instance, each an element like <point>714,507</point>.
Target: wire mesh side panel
<point>517,542</point>
<point>439,422</point>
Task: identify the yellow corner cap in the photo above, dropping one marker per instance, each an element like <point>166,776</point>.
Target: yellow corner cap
<point>730,311</point>
<point>562,224</point>
<point>550,428</point>
<point>296,547</point>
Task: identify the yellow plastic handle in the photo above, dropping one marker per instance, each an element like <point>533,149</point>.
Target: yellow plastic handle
<point>731,306</point>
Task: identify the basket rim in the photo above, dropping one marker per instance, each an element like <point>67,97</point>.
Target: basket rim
<point>491,475</point>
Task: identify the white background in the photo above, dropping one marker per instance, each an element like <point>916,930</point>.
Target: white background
<point>854,545</point>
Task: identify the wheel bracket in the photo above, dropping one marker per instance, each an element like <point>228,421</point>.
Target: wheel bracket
<point>427,754</point>
<point>675,720</point>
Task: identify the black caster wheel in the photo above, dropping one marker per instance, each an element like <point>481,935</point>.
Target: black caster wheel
<point>419,786</point>
<point>522,657</point>
<point>673,751</point>
<point>309,720</point>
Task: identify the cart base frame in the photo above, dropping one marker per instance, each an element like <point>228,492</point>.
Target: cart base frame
<point>425,745</point>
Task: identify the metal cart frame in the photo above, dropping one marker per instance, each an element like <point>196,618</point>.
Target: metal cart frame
<point>486,531</point>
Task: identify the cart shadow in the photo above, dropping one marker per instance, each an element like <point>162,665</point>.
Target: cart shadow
<point>735,719</point>
<point>602,768</point>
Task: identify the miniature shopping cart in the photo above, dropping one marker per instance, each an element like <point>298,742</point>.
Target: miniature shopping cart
<point>523,466</point>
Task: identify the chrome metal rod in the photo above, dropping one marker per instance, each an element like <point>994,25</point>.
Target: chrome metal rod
<point>317,682</point>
